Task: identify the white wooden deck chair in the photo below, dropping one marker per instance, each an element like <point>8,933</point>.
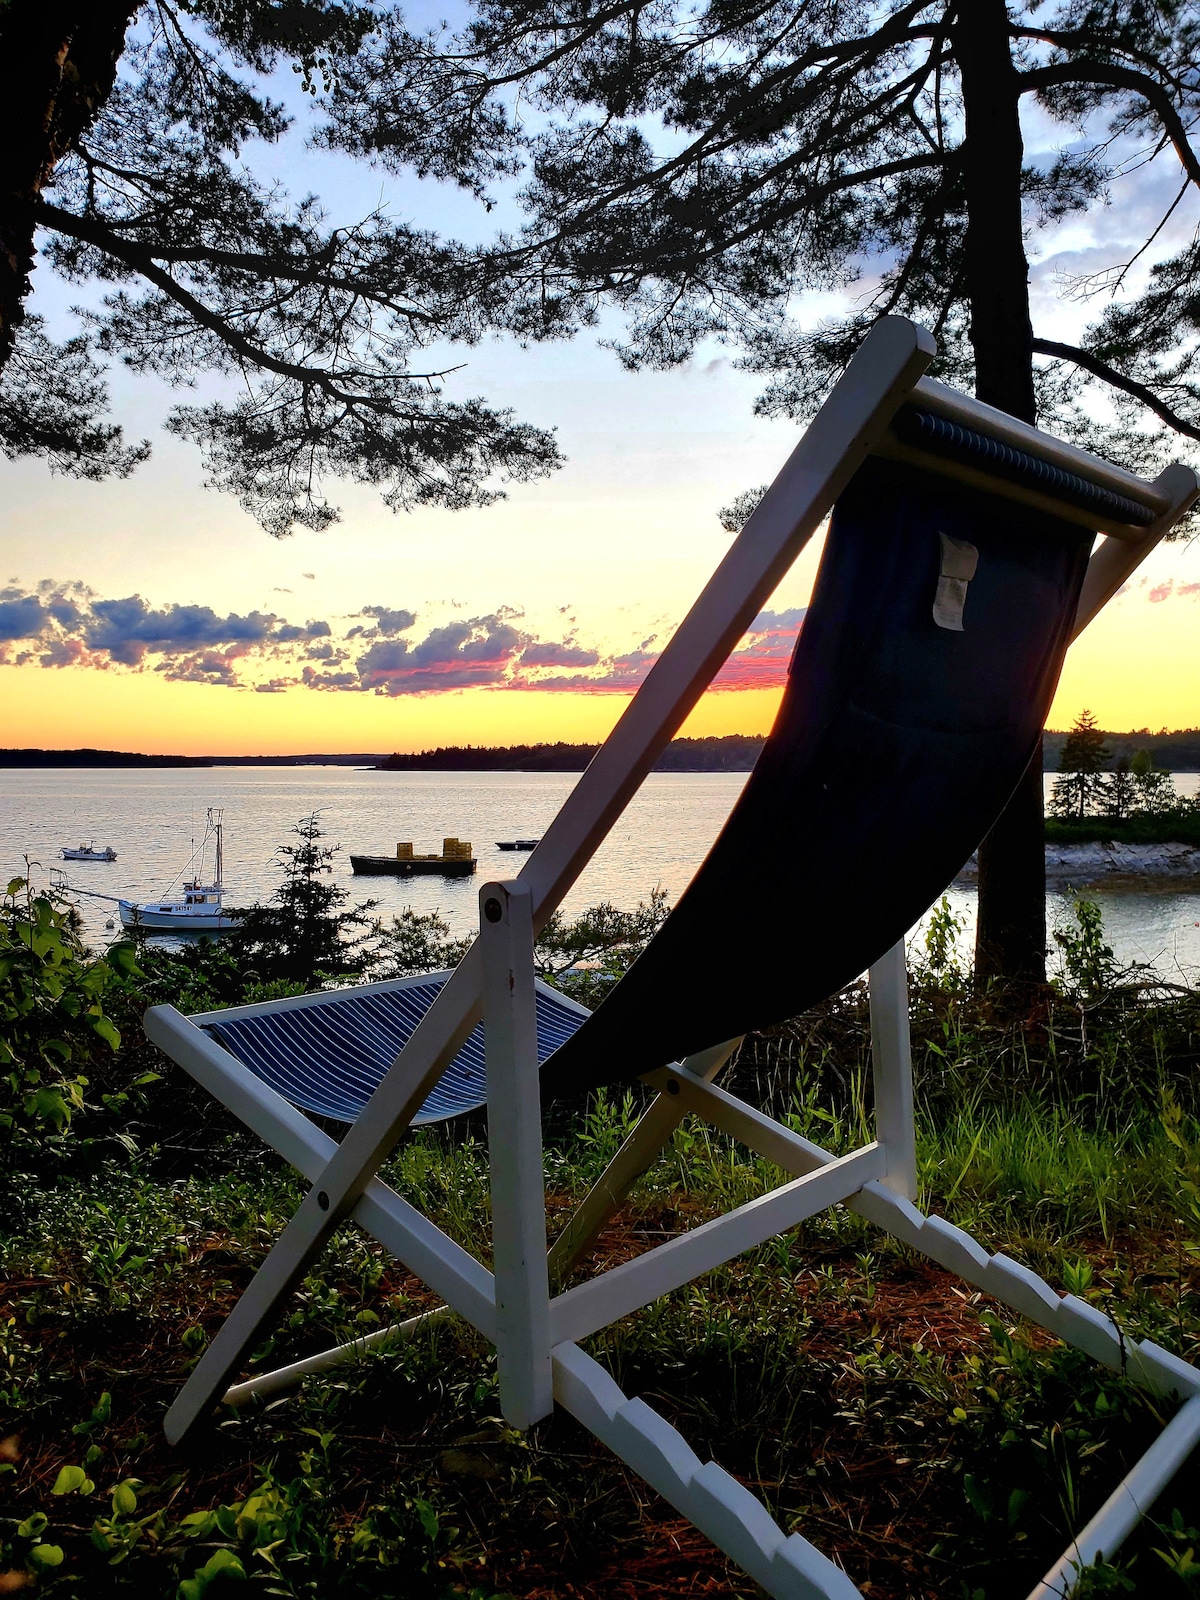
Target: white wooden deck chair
<point>882,407</point>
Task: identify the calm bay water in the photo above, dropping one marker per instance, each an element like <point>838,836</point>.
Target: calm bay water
<point>151,818</point>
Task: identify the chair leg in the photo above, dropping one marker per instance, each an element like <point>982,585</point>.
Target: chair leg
<point>353,1163</point>
<point>1127,1505</point>
<point>891,1068</point>
<point>606,1196</point>
<point>515,1154</point>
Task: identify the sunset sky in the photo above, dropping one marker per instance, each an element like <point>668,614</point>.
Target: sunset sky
<point>151,614</point>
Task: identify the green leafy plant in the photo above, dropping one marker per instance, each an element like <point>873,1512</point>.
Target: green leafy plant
<point>939,958</point>
<point>1089,965</point>
<point>52,1017</point>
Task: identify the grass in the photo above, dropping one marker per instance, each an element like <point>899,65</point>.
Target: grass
<point>882,1408</point>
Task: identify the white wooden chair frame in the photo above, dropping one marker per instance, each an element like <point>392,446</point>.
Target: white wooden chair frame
<point>537,1332</point>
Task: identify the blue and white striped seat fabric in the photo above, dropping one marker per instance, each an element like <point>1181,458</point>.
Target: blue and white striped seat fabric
<point>326,1053</point>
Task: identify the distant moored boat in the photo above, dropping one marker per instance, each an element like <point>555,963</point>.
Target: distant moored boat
<point>455,861</point>
<point>197,908</point>
<point>88,852</point>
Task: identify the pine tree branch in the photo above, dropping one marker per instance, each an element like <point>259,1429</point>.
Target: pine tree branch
<point>1117,380</point>
<point>1087,39</point>
<point>1103,74</point>
<point>725,134</point>
<point>312,269</point>
<point>142,261</point>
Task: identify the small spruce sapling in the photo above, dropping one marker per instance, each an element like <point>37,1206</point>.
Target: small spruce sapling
<point>307,931</point>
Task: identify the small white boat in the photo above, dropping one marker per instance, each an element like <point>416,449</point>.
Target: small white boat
<point>197,908</point>
<point>88,852</point>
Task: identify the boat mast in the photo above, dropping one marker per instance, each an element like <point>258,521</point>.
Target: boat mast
<point>216,827</point>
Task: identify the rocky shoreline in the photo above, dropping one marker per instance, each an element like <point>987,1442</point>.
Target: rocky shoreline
<point>1114,866</point>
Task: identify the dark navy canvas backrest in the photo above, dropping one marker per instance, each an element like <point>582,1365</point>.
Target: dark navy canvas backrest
<point>897,744</point>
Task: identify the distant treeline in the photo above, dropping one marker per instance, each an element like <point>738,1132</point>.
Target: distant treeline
<point>735,752</point>
<point>130,758</point>
<point>95,758</point>
<point>1171,752</point>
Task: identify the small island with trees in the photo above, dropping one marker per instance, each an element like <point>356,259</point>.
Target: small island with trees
<point>1103,797</point>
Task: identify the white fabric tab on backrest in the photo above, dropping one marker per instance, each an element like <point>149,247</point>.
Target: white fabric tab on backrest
<point>959,561</point>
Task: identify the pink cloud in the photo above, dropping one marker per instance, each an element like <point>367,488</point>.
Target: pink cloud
<point>1169,589</point>
<point>763,663</point>
<point>760,662</point>
<point>548,653</point>
<point>623,675</point>
<point>66,625</point>
<point>477,653</point>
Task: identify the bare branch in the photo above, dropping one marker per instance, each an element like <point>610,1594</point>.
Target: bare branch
<point>1117,380</point>
<point>1103,74</point>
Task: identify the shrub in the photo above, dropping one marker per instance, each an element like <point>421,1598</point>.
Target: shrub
<point>51,1019</point>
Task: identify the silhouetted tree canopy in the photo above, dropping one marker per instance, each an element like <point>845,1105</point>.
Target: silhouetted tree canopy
<point>703,165</point>
<point>134,140</point>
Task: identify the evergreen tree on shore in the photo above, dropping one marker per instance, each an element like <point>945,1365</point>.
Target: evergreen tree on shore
<point>1084,757</point>
<point>306,930</point>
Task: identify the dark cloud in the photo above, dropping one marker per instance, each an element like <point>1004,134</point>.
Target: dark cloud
<point>67,625</point>
<point>289,633</point>
<point>476,653</point>
<point>128,628</point>
<point>312,679</point>
<point>778,621</point>
<point>546,653</point>
<point>21,617</point>
<point>215,667</point>
<point>622,675</point>
<point>68,652</point>
<point>388,622</point>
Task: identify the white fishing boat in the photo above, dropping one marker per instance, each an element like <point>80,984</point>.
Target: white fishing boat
<point>88,852</point>
<point>197,907</point>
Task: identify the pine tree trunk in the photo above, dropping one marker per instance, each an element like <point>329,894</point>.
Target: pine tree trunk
<point>58,63</point>
<point>1010,945</point>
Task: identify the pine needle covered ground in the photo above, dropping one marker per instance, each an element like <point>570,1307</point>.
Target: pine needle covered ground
<point>937,1444</point>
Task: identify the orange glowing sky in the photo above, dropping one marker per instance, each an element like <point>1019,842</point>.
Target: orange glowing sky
<point>602,560</point>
